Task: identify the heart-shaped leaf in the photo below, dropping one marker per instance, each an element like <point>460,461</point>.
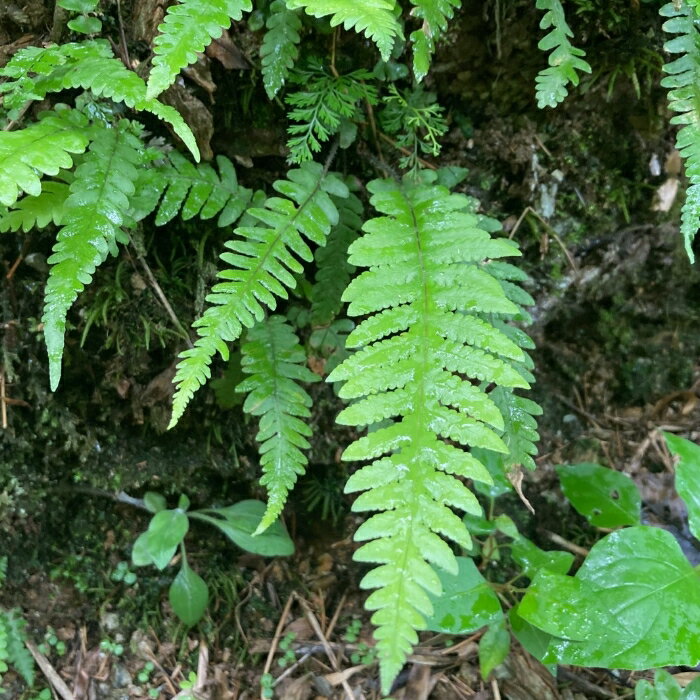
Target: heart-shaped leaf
<point>467,602</point>
<point>605,497</point>
<point>634,604</point>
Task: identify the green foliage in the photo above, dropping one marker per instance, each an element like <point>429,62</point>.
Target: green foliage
<point>493,648</point>
<point>42,148</point>
<point>605,497</point>
<point>280,47</point>
<point>12,649</point>
<point>189,593</point>
<point>435,15</point>
<point>188,27</point>
<point>262,262</point>
<point>418,123</point>
<point>34,72</point>
<point>629,587</point>
<point>683,80</point>
<point>375,18</point>
<point>564,60</point>
<point>176,186</point>
<point>687,476</point>
<point>92,218</point>
<point>39,211</point>
<point>419,343</point>
<point>332,268</point>
<point>274,360</point>
<point>666,688</point>
<point>322,107</point>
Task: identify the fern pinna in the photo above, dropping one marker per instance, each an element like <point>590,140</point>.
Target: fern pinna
<point>683,81</point>
<point>426,361</point>
<point>263,260</point>
<point>275,362</point>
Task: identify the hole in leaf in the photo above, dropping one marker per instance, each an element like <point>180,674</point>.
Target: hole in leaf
<point>614,494</point>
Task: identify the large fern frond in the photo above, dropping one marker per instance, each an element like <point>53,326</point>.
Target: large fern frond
<point>176,186</point>
<point>332,268</point>
<point>275,361</point>
<point>263,260</point>
<point>375,18</point>
<point>683,81</point>
<point>187,29</point>
<point>424,344</point>
<point>435,15</point>
<point>280,46</point>
<point>42,148</point>
<point>90,65</point>
<point>92,216</point>
<point>564,61</point>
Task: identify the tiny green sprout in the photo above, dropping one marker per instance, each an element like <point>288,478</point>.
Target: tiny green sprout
<point>266,682</point>
<point>153,693</point>
<point>353,631</point>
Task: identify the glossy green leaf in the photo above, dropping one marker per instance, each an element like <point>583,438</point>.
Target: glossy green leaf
<point>467,602</point>
<point>634,603</point>
<point>605,497</point>
<point>687,477</point>
<point>78,5</point>
<point>493,648</point>
<point>532,559</point>
<point>238,522</point>
<point>155,502</point>
<point>85,25</point>
<point>188,595</point>
<point>533,639</point>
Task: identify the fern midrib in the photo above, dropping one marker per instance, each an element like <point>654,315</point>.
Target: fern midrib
<point>415,472</point>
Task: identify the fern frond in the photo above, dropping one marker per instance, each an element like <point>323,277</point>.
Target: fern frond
<point>321,106</point>
<point>42,148</point>
<point>12,648</point>
<point>375,18</point>
<point>275,361</point>
<point>435,15</point>
<point>423,343</point>
<point>89,65</point>
<point>92,215</point>
<point>683,81</point>
<point>187,29</point>
<point>178,187</point>
<point>263,260</point>
<point>280,46</point>
<point>37,212</point>
<point>332,268</point>
<point>564,61</point>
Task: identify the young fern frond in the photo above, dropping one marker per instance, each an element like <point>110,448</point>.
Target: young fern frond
<point>332,268</point>
<point>280,46</point>
<point>435,15</point>
<point>90,65</point>
<point>376,18</point>
<point>263,260</point>
<point>92,215</point>
<point>564,61</point>
<point>423,344</point>
<point>176,186</point>
<point>275,361</point>
<point>187,29</point>
<point>683,81</point>
<point>12,648</point>
<point>321,107</point>
<point>42,148</point>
